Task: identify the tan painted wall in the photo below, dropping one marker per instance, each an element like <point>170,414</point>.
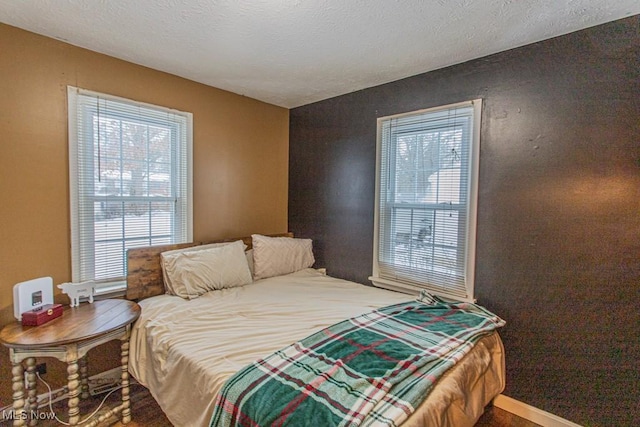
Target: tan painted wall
<point>240,155</point>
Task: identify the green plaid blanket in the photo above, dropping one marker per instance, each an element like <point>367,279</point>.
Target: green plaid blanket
<point>374,369</point>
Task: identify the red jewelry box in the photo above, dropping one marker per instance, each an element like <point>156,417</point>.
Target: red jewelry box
<point>42,315</point>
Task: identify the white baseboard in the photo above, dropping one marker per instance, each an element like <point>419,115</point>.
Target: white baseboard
<point>531,413</point>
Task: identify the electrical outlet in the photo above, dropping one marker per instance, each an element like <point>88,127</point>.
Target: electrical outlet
<point>41,368</point>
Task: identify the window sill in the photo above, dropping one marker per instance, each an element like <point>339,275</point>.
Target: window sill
<point>111,290</point>
<point>394,286</point>
<point>108,290</point>
<point>413,290</point>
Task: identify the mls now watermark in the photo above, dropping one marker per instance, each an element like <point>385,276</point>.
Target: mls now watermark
<point>26,415</point>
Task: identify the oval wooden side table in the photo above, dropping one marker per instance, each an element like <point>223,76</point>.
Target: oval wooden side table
<point>68,338</point>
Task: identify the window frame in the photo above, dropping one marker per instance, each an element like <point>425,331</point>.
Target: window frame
<point>469,226</point>
<point>82,204</point>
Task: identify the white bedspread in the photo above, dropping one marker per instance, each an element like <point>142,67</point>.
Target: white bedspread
<point>183,351</point>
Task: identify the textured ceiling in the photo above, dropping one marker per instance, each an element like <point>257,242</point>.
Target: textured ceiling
<point>294,52</point>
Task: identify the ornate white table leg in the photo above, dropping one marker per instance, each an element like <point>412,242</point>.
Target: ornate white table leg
<point>126,410</point>
<point>32,394</point>
<point>84,378</point>
<point>17,379</point>
<point>74,388</point>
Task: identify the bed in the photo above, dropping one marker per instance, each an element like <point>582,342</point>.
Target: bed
<point>184,350</point>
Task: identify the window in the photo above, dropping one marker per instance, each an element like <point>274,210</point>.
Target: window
<point>130,179</point>
<point>426,192</point>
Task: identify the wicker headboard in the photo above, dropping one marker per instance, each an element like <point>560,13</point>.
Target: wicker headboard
<point>144,271</point>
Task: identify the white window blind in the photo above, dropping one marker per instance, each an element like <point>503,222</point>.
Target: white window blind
<point>130,179</point>
<point>427,175</point>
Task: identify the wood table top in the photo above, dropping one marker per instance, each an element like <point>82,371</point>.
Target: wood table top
<point>76,324</point>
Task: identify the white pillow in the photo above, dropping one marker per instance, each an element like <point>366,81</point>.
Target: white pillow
<point>168,286</point>
<point>201,247</point>
<point>193,273</point>
<point>274,256</point>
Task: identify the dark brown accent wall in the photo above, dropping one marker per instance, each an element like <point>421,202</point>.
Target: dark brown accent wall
<point>558,248</point>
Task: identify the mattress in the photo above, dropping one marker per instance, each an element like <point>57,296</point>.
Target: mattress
<point>183,351</point>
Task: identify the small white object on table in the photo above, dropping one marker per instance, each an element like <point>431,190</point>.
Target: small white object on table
<point>75,291</point>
